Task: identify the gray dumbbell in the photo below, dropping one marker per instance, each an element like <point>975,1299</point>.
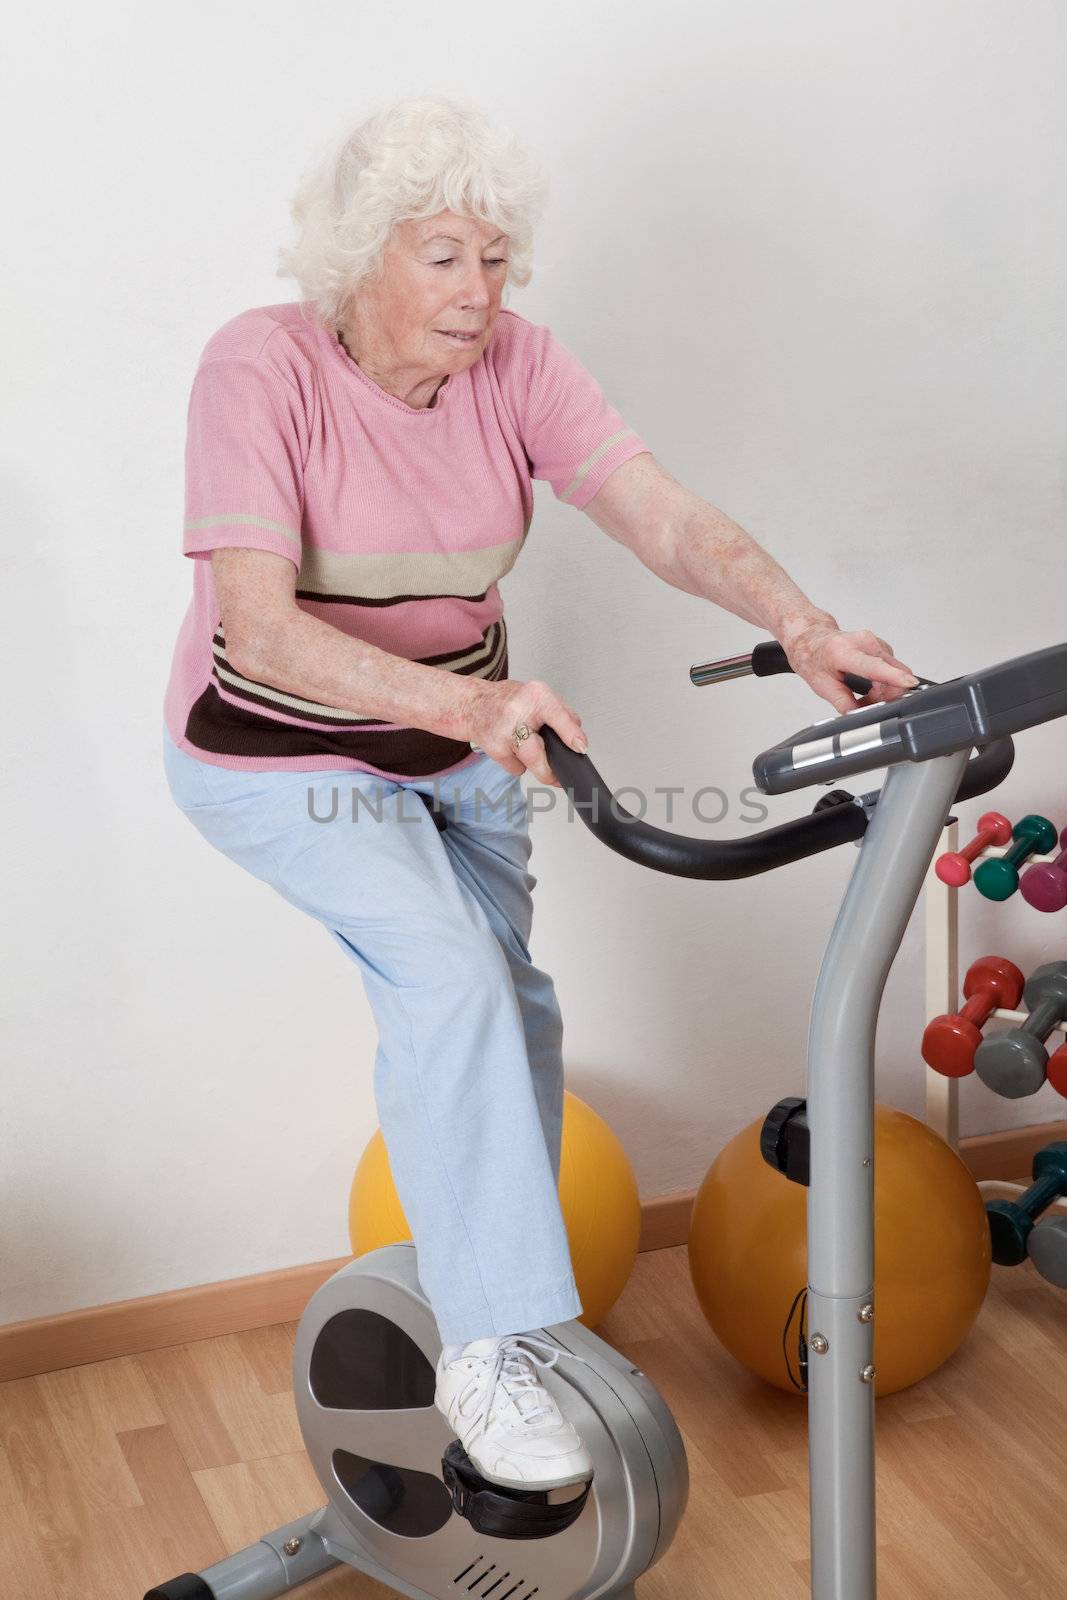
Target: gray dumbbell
<point>1015,1063</point>
<point>1047,1249</point>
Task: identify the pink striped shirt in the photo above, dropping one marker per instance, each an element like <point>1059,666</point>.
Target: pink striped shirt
<point>399,521</point>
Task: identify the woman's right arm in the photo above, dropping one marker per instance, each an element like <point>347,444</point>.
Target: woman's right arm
<point>271,640</point>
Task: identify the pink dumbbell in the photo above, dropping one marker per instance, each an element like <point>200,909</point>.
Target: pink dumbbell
<point>1044,885</point>
<point>954,867</point>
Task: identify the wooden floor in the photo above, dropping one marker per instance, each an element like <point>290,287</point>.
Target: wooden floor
<point>115,1476</point>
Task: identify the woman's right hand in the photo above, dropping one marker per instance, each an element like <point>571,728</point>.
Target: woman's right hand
<point>496,709</point>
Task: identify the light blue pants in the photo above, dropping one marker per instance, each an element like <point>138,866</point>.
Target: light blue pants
<point>468,1073</point>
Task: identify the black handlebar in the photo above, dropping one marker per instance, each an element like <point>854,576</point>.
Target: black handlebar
<point>836,819</point>
<point>684,857</point>
<point>769,659</point>
<point>987,769</point>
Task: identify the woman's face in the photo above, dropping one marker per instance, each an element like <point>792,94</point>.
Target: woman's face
<point>440,277</point>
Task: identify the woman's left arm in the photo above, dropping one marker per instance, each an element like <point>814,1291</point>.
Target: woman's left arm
<point>695,547</point>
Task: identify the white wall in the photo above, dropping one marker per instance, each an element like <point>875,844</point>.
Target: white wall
<point>815,254</point>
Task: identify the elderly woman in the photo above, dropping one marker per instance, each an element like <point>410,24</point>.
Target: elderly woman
<point>358,480</point>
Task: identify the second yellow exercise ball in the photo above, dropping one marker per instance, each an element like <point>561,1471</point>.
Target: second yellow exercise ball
<point>748,1253</point>
<point>597,1193</point>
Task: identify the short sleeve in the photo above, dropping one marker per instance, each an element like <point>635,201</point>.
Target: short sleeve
<point>574,439</point>
<point>246,444</point>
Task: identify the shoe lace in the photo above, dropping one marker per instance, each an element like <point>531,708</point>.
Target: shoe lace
<point>514,1366</point>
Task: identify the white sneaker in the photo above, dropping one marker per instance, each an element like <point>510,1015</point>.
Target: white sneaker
<point>507,1422</point>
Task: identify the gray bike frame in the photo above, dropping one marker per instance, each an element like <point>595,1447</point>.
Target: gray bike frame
<point>894,858</point>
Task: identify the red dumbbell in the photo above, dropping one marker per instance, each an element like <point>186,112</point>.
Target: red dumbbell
<point>1044,885</point>
<point>954,867</point>
<point>1057,1070</point>
<point>949,1043</point>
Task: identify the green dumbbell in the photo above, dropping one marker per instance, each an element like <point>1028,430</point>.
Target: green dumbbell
<point>998,878</point>
<point>1011,1222</point>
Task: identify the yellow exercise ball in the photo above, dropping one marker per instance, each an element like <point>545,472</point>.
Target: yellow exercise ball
<point>748,1253</point>
<point>597,1193</point>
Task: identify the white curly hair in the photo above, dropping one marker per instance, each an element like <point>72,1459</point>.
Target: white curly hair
<point>405,162</point>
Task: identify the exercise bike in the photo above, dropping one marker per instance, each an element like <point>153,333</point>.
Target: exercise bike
<point>404,1502</point>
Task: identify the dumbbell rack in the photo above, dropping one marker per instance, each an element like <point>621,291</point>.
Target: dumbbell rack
<point>941,906</point>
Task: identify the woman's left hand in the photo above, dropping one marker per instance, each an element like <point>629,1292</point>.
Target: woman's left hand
<point>820,653</point>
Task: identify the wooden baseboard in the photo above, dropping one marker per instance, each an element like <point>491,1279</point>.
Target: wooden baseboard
<point>1009,1154</point>
<point>126,1327</point>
